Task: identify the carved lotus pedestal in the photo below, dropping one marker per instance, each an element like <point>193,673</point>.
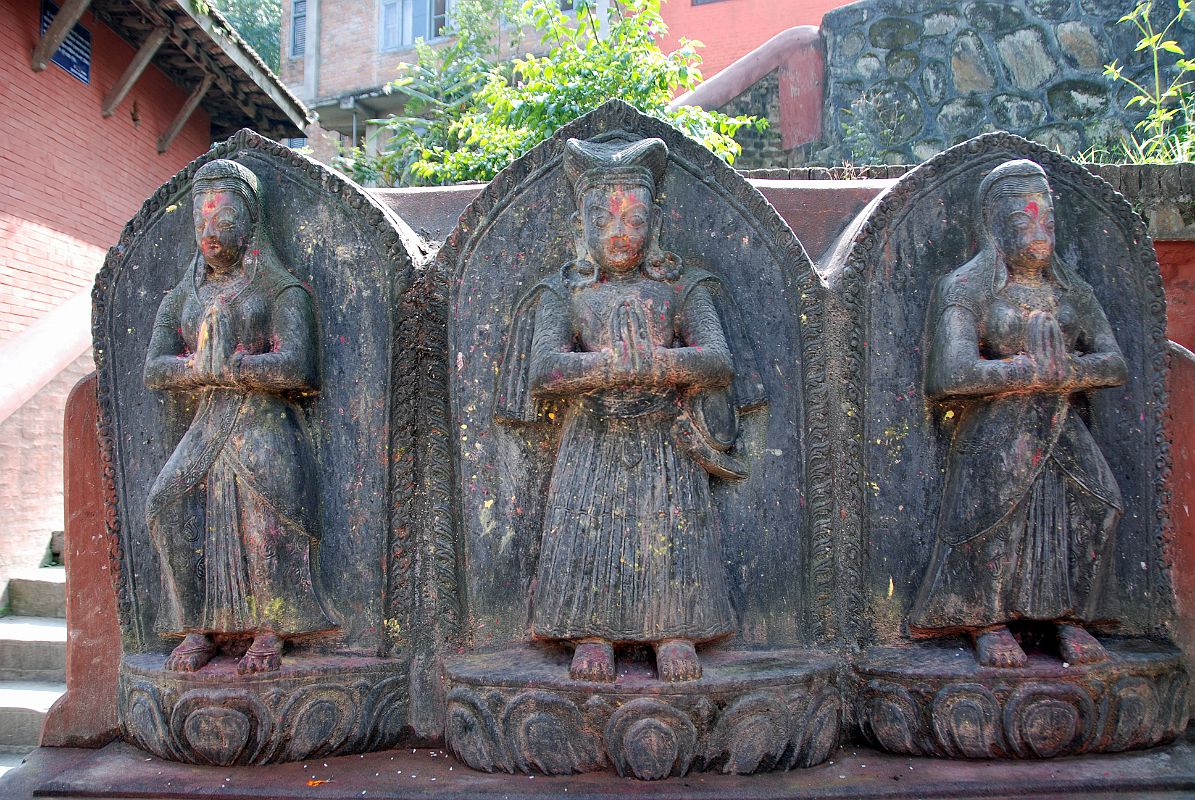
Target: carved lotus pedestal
<point>313,706</point>
<point>935,700</point>
<point>518,710</point>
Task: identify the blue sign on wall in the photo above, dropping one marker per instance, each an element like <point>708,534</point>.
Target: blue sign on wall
<point>74,55</point>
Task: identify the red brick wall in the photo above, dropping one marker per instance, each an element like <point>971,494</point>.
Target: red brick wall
<point>70,179</point>
<point>730,29</point>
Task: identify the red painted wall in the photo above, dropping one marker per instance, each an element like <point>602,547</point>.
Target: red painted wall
<point>70,179</point>
<point>730,29</point>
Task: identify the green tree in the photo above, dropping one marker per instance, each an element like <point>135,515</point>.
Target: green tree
<point>257,21</point>
<point>469,117</point>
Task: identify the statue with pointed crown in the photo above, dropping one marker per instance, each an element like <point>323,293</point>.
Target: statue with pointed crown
<point>649,359</point>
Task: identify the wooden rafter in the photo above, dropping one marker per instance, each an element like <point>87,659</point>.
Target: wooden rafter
<point>185,113</point>
<point>56,34</point>
<point>140,61</point>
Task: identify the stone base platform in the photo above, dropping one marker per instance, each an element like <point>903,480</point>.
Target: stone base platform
<point>517,710</point>
<point>854,773</point>
<point>314,706</point>
<point>933,699</point>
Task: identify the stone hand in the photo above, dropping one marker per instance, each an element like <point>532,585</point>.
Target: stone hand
<point>1048,350</point>
<point>633,354</point>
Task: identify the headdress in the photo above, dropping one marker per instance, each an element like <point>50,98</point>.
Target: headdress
<point>591,164</point>
<point>230,176</point>
<point>1010,178</point>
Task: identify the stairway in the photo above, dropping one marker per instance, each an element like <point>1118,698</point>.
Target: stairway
<point>32,659</point>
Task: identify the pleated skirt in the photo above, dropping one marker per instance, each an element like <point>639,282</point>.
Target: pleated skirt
<point>630,548</point>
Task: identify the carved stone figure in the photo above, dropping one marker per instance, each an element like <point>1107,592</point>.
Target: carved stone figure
<point>234,512</point>
<point>1030,505</point>
<point>630,550</point>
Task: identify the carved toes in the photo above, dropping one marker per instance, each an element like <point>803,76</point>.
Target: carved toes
<point>593,661</point>
<point>998,648</point>
<point>264,655</point>
<point>676,661</point>
<point>195,650</point>
<point>1077,646</point>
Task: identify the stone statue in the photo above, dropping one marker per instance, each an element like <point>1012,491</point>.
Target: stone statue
<point>1030,505</point>
<point>234,513</point>
<point>649,351</point>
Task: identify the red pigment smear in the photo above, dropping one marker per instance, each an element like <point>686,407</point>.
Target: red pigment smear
<point>1032,209</point>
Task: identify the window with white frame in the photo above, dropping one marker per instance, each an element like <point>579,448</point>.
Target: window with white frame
<point>403,21</point>
<point>439,9</point>
<point>397,24</point>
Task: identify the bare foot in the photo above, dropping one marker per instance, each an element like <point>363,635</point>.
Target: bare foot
<point>676,660</point>
<point>593,660</point>
<point>1077,646</point>
<point>996,647</point>
<point>264,655</point>
<point>195,650</point>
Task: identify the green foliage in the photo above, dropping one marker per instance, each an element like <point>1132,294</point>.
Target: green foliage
<point>1167,133</point>
<point>257,21</point>
<point>468,118</point>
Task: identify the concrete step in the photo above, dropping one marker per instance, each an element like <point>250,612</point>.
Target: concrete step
<point>10,761</point>
<point>33,649</point>
<point>23,707</point>
<point>38,592</point>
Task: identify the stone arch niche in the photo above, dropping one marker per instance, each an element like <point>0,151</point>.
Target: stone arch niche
<point>765,701</point>
<point>926,694</point>
<point>344,689</point>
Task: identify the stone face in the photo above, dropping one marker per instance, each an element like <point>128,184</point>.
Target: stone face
<point>1079,45</point>
<point>940,23</point>
<point>1039,50</point>
<point>1012,112</point>
<point>1078,100</point>
<point>934,81</point>
<point>1049,9</point>
<point>971,65</point>
<point>1026,58</point>
<point>869,66</point>
<point>897,113</point>
<point>1062,138</point>
<point>961,115</point>
<point>901,63</point>
<point>891,33</point>
<point>994,17</point>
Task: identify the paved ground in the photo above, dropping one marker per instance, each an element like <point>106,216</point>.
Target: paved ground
<point>121,771</point>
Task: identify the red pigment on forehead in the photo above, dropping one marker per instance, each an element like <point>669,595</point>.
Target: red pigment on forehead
<point>214,199</point>
<point>1032,209</point>
<point>620,200</point>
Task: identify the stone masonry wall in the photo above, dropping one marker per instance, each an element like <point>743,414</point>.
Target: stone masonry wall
<point>760,148</point>
<point>908,78</point>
